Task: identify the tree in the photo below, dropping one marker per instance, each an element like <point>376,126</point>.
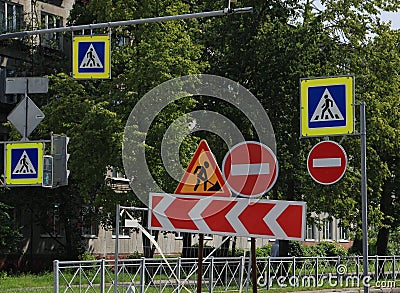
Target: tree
<point>9,235</point>
<point>282,42</point>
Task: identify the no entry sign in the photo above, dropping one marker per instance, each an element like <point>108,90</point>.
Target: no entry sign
<point>327,162</point>
<point>250,169</point>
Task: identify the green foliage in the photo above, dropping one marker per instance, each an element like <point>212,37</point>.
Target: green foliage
<point>86,256</point>
<point>263,251</point>
<point>324,249</point>
<point>135,255</point>
<point>268,52</point>
<point>9,235</point>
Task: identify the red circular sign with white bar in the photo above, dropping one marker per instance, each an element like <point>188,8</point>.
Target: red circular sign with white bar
<point>327,162</point>
<point>250,169</point>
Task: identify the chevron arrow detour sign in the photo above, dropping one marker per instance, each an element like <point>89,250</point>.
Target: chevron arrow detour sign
<point>228,216</point>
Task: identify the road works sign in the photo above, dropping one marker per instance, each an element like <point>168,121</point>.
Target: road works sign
<point>250,169</point>
<point>327,106</point>
<point>327,162</point>
<point>91,57</point>
<point>24,163</point>
<point>203,176</point>
<point>228,216</point>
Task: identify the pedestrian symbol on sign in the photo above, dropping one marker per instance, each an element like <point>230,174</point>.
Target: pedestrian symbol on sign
<point>91,59</point>
<point>24,165</point>
<point>327,110</point>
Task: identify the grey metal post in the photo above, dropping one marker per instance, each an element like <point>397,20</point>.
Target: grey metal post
<point>56,276</point>
<point>376,268</point>
<point>294,267</point>
<point>268,274</point>
<point>116,249</point>
<point>226,11</point>
<point>25,136</point>
<point>242,265</point>
<point>211,274</point>
<point>178,274</point>
<point>143,275</point>
<point>394,268</point>
<point>103,276</point>
<point>363,133</point>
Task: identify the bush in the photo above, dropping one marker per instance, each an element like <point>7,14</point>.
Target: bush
<point>263,251</point>
<point>135,255</point>
<point>296,249</point>
<point>86,256</point>
<point>324,249</point>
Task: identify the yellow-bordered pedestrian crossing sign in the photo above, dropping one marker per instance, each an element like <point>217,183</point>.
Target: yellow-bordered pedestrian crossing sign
<point>24,163</point>
<point>91,57</point>
<point>327,106</point>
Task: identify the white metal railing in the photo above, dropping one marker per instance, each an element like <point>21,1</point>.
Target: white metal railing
<point>223,274</point>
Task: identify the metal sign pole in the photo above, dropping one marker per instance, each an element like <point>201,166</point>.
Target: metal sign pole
<point>363,133</point>
<point>116,249</point>
<point>226,11</point>
<point>253,264</point>
<point>25,135</point>
<point>200,262</point>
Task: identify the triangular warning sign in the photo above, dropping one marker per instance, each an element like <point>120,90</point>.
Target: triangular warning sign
<point>203,176</point>
<point>327,110</point>
<point>24,165</point>
<point>91,59</point>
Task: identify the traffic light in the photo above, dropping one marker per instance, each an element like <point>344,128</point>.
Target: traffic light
<point>59,151</point>
<point>47,178</point>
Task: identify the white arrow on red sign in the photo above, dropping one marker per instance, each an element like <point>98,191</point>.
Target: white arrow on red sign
<point>227,216</point>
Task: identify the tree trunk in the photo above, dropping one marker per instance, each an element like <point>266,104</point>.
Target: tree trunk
<point>382,241</point>
<point>148,247</point>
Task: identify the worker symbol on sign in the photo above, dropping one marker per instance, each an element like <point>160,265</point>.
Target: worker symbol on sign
<point>203,176</point>
<point>326,110</point>
<point>201,172</point>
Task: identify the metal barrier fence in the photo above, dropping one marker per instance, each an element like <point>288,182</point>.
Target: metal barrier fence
<point>223,274</point>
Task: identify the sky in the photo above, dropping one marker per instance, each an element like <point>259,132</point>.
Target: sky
<point>394,17</point>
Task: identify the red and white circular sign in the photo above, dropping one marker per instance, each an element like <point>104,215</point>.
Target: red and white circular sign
<point>250,169</point>
<point>327,162</point>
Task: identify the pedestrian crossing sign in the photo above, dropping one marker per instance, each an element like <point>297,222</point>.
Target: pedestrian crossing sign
<point>327,106</point>
<point>91,57</point>
<point>24,163</point>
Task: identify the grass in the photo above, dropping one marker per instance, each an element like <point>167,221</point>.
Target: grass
<point>44,283</point>
<point>26,283</point>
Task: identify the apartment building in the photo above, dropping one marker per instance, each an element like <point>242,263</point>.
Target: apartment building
<point>19,15</point>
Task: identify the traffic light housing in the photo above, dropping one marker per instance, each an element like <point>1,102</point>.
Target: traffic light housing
<point>47,178</point>
<point>59,151</point>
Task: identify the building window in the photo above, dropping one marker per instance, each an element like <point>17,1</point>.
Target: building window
<point>310,232</point>
<point>11,16</point>
<point>89,228</point>
<point>343,234</point>
<point>327,229</point>
<point>51,40</point>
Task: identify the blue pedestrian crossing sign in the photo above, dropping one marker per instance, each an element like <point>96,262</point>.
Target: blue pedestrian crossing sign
<point>327,106</point>
<point>24,163</point>
<point>91,57</point>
